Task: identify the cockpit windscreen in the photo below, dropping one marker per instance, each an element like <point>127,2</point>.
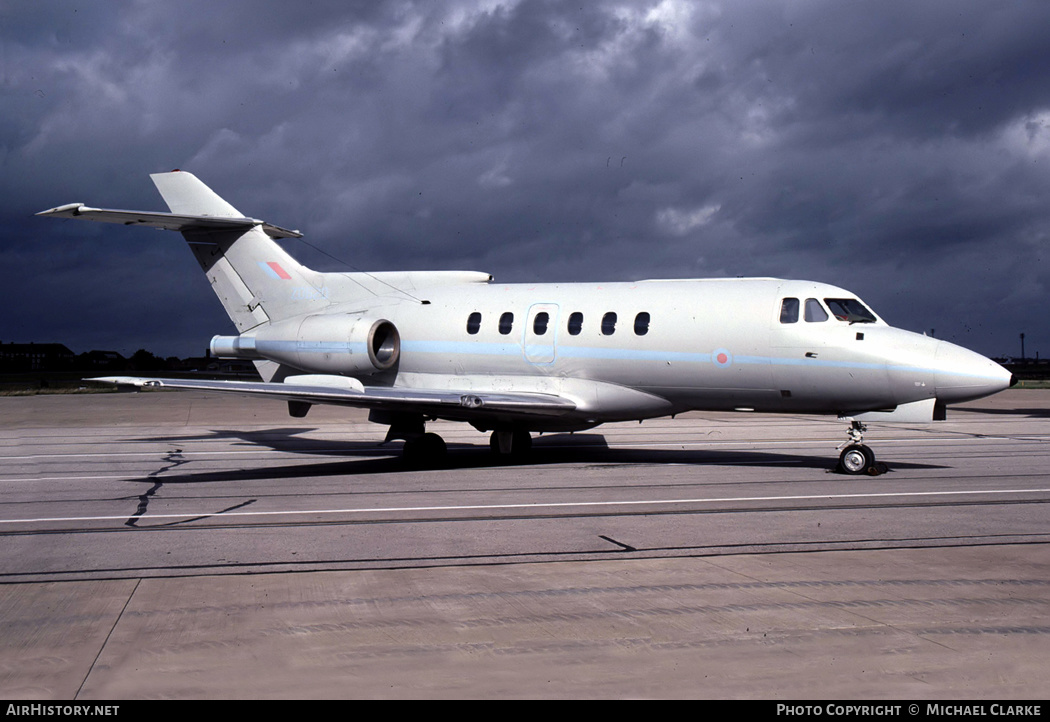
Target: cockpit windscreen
<point>849,309</point>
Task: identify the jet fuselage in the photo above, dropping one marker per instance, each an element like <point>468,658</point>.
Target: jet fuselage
<point>514,358</point>
<point>638,350</point>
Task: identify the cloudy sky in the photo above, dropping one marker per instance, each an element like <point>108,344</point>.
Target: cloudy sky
<point>898,149</point>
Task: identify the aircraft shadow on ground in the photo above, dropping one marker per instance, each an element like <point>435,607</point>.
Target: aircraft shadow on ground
<point>548,450</point>
<point>1026,413</point>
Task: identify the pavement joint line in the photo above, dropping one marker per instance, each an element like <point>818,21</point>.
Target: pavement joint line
<point>545,505</point>
<point>615,445</point>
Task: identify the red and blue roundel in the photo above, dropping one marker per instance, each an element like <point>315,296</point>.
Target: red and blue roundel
<point>722,358</point>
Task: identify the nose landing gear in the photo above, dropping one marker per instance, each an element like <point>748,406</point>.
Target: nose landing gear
<point>856,458</point>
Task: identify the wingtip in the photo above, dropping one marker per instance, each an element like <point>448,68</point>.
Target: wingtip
<point>125,381</point>
<point>58,210</point>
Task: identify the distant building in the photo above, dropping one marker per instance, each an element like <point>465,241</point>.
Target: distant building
<point>22,357</point>
<point>25,358</point>
<point>1027,369</point>
<point>101,361</point>
<point>218,367</point>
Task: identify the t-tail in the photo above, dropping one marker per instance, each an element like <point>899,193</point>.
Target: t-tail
<point>254,278</point>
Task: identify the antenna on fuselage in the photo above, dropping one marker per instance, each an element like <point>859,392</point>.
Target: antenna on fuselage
<point>366,273</point>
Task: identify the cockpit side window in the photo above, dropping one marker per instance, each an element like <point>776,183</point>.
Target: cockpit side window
<point>815,313</point>
<point>849,309</point>
<point>789,310</point>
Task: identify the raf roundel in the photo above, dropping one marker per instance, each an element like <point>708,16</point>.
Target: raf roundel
<point>722,358</point>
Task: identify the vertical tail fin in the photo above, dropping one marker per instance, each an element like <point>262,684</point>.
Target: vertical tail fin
<point>254,278</point>
<point>186,195</point>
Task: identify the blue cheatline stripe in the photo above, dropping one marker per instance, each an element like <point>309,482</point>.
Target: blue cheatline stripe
<point>457,347</point>
<point>829,364</point>
<point>479,348</point>
<point>347,347</point>
<point>622,354</point>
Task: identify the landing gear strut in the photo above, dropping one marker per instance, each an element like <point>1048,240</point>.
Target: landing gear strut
<point>856,458</point>
<point>513,444</point>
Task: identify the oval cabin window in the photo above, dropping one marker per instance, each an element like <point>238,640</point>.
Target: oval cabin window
<point>641,323</point>
<point>506,323</point>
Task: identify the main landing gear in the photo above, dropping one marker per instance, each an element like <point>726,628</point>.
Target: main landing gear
<point>422,450</point>
<point>427,450</point>
<point>513,445</point>
<point>856,458</point>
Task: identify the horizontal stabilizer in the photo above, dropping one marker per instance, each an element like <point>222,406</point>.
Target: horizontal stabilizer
<point>167,221</point>
<point>460,404</point>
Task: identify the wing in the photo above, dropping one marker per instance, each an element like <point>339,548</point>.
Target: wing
<point>449,404</point>
<point>167,221</point>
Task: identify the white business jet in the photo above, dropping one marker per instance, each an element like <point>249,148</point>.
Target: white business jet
<point>512,359</point>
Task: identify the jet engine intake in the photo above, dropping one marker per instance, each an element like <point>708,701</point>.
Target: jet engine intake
<point>325,343</point>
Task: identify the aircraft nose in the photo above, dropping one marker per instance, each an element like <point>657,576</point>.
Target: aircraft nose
<point>963,375</point>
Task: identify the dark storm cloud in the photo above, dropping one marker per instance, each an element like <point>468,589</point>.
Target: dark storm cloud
<point>897,149</point>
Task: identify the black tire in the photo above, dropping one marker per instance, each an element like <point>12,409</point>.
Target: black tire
<point>856,459</point>
<point>424,452</point>
<point>521,446</point>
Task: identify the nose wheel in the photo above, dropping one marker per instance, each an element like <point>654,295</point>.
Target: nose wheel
<point>856,458</point>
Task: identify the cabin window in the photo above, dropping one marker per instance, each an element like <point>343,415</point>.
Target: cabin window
<point>641,323</point>
<point>506,323</point>
<point>539,324</point>
<point>849,309</point>
<point>814,311</point>
<point>575,323</point>
<point>789,310</point>
<point>473,323</point>
<point>609,323</point>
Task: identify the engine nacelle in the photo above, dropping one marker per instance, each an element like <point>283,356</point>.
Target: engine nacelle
<point>328,343</point>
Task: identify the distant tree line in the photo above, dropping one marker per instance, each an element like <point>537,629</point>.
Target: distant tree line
<point>22,358</point>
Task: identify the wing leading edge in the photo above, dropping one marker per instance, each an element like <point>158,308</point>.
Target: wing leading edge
<point>464,404</point>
